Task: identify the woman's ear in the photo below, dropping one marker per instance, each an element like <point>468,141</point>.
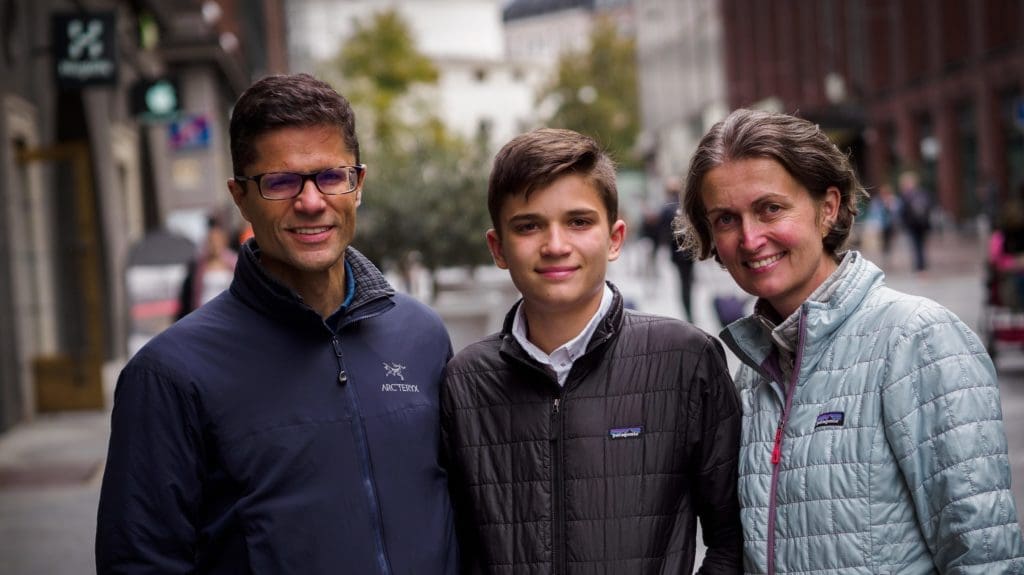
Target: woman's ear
<point>829,209</point>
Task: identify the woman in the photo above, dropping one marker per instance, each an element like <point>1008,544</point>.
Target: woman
<point>210,272</point>
<point>872,438</point>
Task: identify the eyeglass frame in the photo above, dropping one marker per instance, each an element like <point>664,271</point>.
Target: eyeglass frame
<point>306,177</point>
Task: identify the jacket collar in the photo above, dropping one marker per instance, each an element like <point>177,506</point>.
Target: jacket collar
<point>607,329</point>
<point>259,290</point>
<point>849,286</point>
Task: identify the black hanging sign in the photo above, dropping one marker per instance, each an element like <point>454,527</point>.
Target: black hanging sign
<point>84,48</point>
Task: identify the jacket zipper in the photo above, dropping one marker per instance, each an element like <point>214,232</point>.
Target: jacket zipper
<point>558,547</point>
<point>777,446</point>
<point>369,486</point>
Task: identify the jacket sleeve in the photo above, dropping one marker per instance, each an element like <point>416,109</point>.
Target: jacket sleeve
<point>943,421</point>
<point>470,562</point>
<point>716,464</point>
<point>151,490</point>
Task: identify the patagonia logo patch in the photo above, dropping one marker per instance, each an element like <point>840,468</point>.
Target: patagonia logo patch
<point>830,418</point>
<point>625,432</point>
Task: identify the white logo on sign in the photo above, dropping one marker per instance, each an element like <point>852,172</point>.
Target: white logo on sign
<point>82,37</point>
<point>394,370</point>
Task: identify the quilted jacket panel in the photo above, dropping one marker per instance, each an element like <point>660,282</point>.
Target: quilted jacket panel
<point>893,455</point>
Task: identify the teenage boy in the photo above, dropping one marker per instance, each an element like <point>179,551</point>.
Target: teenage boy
<point>584,437</point>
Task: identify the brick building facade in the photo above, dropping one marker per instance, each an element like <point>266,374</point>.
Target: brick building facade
<point>934,86</point>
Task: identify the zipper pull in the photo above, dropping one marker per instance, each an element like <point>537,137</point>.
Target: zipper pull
<point>555,405</point>
<point>777,450</point>
<point>342,376</point>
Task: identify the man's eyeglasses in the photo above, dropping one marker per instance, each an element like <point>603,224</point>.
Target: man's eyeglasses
<point>288,185</point>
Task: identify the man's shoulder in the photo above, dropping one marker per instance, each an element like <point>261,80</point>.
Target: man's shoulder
<point>214,322</point>
<point>410,309</point>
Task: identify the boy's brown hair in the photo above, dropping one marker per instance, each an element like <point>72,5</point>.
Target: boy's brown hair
<point>535,159</point>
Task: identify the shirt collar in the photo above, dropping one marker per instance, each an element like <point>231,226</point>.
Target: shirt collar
<point>574,348</point>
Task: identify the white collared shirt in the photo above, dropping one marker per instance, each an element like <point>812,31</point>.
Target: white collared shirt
<point>562,358</point>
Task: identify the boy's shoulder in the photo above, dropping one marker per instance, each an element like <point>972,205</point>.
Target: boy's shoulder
<point>479,355</point>
<point>662,325</point>
<point>651,333</point>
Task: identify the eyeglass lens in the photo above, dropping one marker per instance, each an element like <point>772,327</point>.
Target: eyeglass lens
<point>284,185</point>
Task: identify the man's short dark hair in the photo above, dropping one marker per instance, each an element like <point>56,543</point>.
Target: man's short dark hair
<point>285,101</point>
<point>536,159</point>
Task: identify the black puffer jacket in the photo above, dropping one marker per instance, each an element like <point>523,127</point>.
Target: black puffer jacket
<point>607,475</point>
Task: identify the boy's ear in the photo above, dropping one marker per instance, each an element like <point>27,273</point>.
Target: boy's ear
<point>494,244</point>
<point>618,238</point>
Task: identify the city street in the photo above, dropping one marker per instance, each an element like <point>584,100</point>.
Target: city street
<point>50,468</point>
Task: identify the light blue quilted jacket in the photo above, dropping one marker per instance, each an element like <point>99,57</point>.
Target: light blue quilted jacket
<point>890,452</point>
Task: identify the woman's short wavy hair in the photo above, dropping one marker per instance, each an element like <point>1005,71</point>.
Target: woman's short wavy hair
<point>797,145</point>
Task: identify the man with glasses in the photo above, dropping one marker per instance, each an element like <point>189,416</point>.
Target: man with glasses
<point>290,425</point>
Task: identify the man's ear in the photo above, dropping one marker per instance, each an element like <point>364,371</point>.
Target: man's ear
<point>237,190</point>
<point>494,244</point>
<point>359,190</point>
<point>618,238</point>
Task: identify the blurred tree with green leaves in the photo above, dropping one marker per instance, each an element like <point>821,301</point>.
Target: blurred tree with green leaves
<point>425,194</point>
<point>595,92</point>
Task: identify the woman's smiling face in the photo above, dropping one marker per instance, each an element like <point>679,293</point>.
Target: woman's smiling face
<point>768,230</point>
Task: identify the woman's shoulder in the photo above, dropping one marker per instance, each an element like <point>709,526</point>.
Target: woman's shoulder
<point>907,317</point>
<point>902,308</point>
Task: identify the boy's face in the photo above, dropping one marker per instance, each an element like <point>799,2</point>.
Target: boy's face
<point>557,245</point>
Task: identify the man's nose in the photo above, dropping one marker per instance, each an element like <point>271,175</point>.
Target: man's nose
<point>309,198</point>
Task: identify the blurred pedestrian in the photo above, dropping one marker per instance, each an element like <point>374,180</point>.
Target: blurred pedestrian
<point>291,424</point>
<point>584,437</point>
<point>883,211</point>
<point>210,272</point>
<point>651,237</point>
<point>987,193</point>
<point>916,216</point>
<point>872,438</point>
<point>682,260</point>
<point>1006,255</point>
